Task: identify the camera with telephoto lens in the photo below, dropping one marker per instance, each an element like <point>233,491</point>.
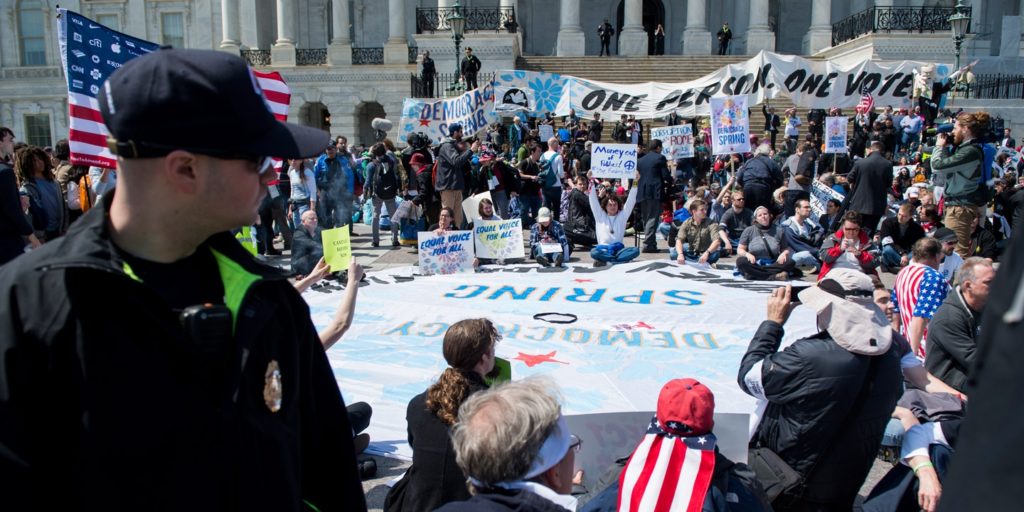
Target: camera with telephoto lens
<point>418,140</point>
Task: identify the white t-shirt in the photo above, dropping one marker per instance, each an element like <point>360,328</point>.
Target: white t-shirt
<point>556,165</point>
<point>949,266</point>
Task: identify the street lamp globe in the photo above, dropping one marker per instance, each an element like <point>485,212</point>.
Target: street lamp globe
<point>959,22</point>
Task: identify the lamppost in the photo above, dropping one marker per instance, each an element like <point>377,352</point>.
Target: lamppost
<point>457,22</point>
<point>959,22</point>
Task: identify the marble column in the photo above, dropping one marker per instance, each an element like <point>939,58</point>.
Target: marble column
<point>696,37</point>
<point>231,39</point>
<point>759,34</point>
<point>249,23</point>
<point>396,49</point>
<point>283,51</point>
<point>819,36</point>
<point>633,38</point>
<point>339,52</point>
<point>571,41</point>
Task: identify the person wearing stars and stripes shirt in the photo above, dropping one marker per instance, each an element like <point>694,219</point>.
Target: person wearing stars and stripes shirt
<point>918,292</point>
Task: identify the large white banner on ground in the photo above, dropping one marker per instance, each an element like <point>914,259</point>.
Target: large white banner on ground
<point>808,83</point>
<point>474,110</point>
<point>633,327</point>
<point>676,141</point>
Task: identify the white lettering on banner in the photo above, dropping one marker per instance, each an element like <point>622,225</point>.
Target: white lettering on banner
<point>447,253</point>
<point>730,125</point>
<point>676,141</point>
<point>616,161</point>
<point>809,83</point>
<point>474,110</point>
<point>835,134</point>
<point>499,239</point>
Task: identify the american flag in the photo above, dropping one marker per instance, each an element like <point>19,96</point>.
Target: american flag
<point>667,473</point>
<point>918,292</point>
<point>91,52</point>
<point>867,101</point>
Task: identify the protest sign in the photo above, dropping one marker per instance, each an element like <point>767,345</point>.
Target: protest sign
<point>820,194</point>
<point>471,205</point>
<point>550,247</point>
<point>616,161</point>
<point>499,239</point>
<point>835,134</point>
<point>447,253</point>
<point>545,132</point>
<point>676,141</point>
<point>474,110</point>
<point>730,125</point>
<point>337,248</point>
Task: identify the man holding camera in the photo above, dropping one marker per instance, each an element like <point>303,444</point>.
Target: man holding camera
<point>959,159</point>
<point>452,167</point>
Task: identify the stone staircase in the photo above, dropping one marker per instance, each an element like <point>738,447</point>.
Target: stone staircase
<point>665,68</point>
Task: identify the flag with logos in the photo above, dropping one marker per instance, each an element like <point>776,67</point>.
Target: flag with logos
<point>90,53</point>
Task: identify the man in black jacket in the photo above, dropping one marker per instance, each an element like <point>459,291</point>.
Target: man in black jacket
<point>897,236</point>
<point>452,167</point>
<point>605,33</point>
<point>771,122</point>
<point>953,331</point>
<point>829,396</point>
<point>469,68</point>
<point>870,179</point>
<point>759,177</point>
<point>167,368</point>
<point>654,177</point>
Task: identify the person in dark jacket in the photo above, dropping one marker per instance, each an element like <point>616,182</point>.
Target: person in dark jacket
<point>961,167</point>
<point>816,124</point>
<point>654,177</point>
<point>758,178</point>
<point>427,74</point>
<point>198,382</point>
<point>829,396</point>
<point>469,68</point>
<point>870,178</point>
<point>954,330</point>
<point>434,477</point>
<point>580,228</point>
<point>453,162</point>
<point>521,461</point>
<point>307,245</point>
<point>14,227</point>
<point>983,242</point>
<point>897,236</point>
<point>771,122</point>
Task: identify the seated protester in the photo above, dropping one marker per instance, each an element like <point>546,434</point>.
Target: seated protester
<point>307,245</point>
<point>610,218</point>
<point>434,477</point>
<point>548,231</point>
<point>515,448</point>
<point>698,239</point>
<point>445,221</point>
<point>736,219</point>
<point>579,228</point>
<point>803,236</point>
<point>763,254</point>
<point>828,396</point>
<point>485,211</point>
<point>683,419</point>
<point>721,201</point>
<point>949,260</point>
<point>830,216</point>
<point>897,236</point>
<point>953,331</point>
<point>918,292</point>
<point>848,248</point>
<point>929,218</point>
<point>983,242</point>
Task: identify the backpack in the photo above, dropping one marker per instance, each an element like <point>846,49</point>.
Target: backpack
<point>385,179</point>
<point>547,172</point>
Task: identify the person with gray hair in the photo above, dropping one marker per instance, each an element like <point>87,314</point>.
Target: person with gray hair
<point>758,178</point>
<point>955,328</point>
<point>514,445</point>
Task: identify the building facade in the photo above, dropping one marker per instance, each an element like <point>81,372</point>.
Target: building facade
<point>349,61</point>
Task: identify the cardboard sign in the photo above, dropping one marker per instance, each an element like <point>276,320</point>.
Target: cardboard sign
<point>730,125</point>
<point>616,161</point>
<point>545,132</point>
<point>337,248</point>
<point>499,239</point>
<point>676,141</point>
<point>471,205</point>
<point>835,134</point>
<point>448,253</point>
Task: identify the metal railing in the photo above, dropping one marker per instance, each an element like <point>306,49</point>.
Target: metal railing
<point>995,87</point>
<point>311,56</point>
<point>443,85</point>
<point>256,57</point>
<point>362,56</point>
<point>477,18</point>
<point>893,19</point>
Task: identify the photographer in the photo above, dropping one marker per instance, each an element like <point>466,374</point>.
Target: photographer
<point>960,160</point>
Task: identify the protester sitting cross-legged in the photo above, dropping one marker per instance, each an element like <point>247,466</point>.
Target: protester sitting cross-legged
<point>736,219</point>
<point>763,254</point>
<point>307,245</point>
<point>803,236</point>
<point>698,239</point>
<point>610,217</point>
<point>848,248</point>
<point>545,235</point>
<point>434,477</point>
<point>515,448</point>
<point>897,237</point>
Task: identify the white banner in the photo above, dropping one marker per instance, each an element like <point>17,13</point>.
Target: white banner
<point>676,141</point>
<point>835,134</point>
<point>638,325</point>
<point>474,110</point>
<point>545,132</point>
<point>730,125</point>
<point>499,239</point>
<point>808,83</point>
<point>820,194</point>
<point>512,99</point>
<point>447,253</point>
<point>615,161</point>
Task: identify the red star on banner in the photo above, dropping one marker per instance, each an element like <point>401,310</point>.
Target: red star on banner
<point>424,122</point>
<point>534,360</point>
<point>584,280</point>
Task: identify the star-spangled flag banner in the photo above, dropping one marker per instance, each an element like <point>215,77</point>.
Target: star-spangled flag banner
<point>919,290</point>
<point>91,52</point>
<point>667,473</point>
<point>867,101</point>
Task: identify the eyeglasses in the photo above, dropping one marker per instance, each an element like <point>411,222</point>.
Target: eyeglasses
<point>575,443</point>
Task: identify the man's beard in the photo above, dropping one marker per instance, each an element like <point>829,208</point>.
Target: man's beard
<point>958,138</point>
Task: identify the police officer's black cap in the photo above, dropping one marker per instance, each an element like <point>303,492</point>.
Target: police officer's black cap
<point>205,101</point>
